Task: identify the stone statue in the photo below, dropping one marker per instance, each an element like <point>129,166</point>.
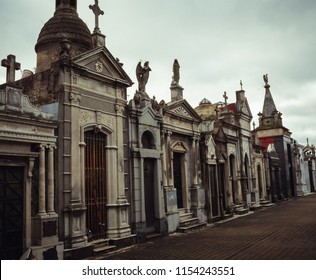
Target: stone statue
<point>176,72</point>
<point>142,74</point>
<point>265,79</point>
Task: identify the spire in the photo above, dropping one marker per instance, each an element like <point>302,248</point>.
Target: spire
<point>269,108</point>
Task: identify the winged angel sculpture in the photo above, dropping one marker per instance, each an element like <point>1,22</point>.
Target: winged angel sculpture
<point>142,74</point>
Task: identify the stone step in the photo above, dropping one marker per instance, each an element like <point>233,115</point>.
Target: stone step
<point>182,211</point>
<point>101,246</point>
<point>241,211</point>
<point>185,216</point>
<point>189,222</point>
<point>103,249</point>
<point>270,204</point>
<point>255,207</point>
<point>153,235</point>
<point>100,242</point>
<point>195,226</point>
<point>264,201</point>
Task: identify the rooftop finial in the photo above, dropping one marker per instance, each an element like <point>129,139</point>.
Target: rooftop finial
<point>97,12</point>
<point>225,97</point>
<point>241,84</point>
<point>266,80</point>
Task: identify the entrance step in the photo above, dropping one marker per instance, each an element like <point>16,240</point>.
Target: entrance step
<point>240,210</point>
<point>101,246</point>
<point>153,235</point>
<point>188,222</point>
<point>197,225</point>
<point>255,207</point>
<point>266,203</point>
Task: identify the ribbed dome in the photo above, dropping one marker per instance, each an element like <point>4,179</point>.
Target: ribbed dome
<point>65,24</point>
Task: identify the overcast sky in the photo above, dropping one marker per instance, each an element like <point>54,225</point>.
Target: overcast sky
<point>217,43</point>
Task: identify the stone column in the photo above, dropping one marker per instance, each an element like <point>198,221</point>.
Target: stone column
<point>82,146</point>
<point>198,161</point>
<point>42,185</point>
<point>50,181</point>
<point>169,160</point>
<point>28,203</point>
<point>195,177</point>
<point>163,159</point>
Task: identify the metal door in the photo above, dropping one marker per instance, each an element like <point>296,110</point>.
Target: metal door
<point>11,211</point>
<point>177,177</point>
<point>95,173</point>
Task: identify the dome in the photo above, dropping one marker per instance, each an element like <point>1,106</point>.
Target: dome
<point>65,24</point>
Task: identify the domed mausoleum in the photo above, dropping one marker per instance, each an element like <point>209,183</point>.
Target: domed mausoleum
<point>65,24</point>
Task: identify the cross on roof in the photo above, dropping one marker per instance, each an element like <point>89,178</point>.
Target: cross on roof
<point>97,12</point>
<point>11,66</point>
<point>225,97</point>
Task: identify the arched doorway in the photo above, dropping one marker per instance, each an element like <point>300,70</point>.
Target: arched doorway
<point>95,184</point>
<point>178,177</point>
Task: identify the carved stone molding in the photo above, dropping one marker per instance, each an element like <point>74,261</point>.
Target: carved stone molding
<point>75,98</point>
<point>181,111</point>
<point>92,117</point>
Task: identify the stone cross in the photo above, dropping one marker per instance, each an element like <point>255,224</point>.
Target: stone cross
<point>97,12</point>
<point>11,66</point>
<point>225,97</point>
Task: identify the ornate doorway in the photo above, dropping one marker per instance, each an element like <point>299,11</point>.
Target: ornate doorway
<point>177,177</point>
<point>11,209</point>
<point>95,174</point>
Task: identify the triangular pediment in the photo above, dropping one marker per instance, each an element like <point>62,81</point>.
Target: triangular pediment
<point>183,109</point>
<point>101,62</point>
<point>245,109</point>
<point>220,135</point>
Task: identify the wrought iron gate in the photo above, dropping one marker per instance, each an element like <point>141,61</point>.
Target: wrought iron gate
<point>95,173</point>
<point>11,209</point>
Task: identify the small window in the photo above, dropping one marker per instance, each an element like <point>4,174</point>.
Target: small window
<point>148,140</point>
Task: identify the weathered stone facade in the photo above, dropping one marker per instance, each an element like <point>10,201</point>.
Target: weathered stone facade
<point>88,167</point>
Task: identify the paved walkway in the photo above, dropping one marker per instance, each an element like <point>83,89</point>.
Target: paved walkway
<point>284,232</point>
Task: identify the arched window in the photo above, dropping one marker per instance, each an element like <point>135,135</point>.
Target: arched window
<point>148,140</point>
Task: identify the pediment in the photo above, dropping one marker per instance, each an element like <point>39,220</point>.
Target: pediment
<point>101,62</point>
<point>178,147</point>
<point>149,116</point>
<point>182,109</point>
<point>221,135</point>
<point>245,109</point>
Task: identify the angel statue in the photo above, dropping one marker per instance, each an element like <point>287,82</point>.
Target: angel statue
<point>265,79</point>
<point>142,74</point>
